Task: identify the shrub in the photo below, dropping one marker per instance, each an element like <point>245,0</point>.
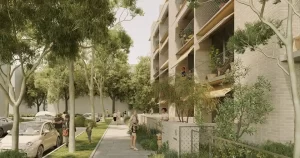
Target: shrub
<point>12,154</point>
<point>171,154</point>
<point>80,121</point>
<point>279,148</point>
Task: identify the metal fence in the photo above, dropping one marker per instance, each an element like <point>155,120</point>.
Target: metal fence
<point>201,141</point>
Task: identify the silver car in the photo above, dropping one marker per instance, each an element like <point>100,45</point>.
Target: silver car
<point>34,138</point>
<point>5,125</point>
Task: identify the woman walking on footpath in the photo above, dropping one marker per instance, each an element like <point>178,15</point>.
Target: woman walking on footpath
<point>133,128</point>
<point>115,116</point>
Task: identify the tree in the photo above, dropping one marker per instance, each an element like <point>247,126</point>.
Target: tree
<point>34,96</point>
<point>21,49</point>
<point>285,36</point>
<point>117,43</point>
<point>238,115</point>
<point>54,79</point>
<point>71,24</point>
<point>117,79</point>
<point>88,62</point>
<point>186,95</point>
<point>142,91</point>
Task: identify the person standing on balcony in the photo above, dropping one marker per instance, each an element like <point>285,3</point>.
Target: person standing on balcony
<point>164,115</point>
<point>183,73</point>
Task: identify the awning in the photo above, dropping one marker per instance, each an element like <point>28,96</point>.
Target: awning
<point>215,28</point>
<point>182,57</point>
<point>165,65</point>
<point>163,72</point>
<point>219,93</point>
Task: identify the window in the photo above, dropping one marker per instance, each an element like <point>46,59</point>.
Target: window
<point>46,127</point>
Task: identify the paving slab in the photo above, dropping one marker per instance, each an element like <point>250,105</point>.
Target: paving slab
<point>116,143</point>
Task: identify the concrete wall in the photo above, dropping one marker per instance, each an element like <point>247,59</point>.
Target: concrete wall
<point>280,122</point>
<point>82,105</point>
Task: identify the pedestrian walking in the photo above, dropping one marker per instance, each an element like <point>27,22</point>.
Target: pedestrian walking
<point>115,116</point>
<point>89,130</point>
<point>118,117</point>
<point>133,123</point>
<point>58,124</point>
<point>66,127</point>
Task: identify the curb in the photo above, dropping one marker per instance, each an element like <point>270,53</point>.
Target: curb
<point>98,145</point>
<point>61,146</point>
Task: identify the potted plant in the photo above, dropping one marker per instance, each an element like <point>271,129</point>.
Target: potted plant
<point>215,60</point>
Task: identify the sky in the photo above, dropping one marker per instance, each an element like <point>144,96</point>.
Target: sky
<point>140,27</point>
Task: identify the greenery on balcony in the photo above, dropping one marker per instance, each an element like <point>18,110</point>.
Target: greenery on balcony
<point>187,33</point>
<point>218,64</point>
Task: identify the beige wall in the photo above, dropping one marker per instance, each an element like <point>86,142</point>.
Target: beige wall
<point>280,123</point>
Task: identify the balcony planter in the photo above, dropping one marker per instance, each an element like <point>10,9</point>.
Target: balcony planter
<point>210,76</point>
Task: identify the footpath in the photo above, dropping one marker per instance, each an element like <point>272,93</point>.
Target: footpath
<point>116,144</point>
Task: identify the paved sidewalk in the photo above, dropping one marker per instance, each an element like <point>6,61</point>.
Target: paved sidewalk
<point>116,144</point>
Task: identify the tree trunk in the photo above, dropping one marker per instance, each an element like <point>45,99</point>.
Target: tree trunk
<point>72,107</point>
<point>6,101</point>
<point>102,101</point>
<point>294,84</point>
<point>66,103</point>
<point>37,107</point>
<point>57,105</point>
<point>113,104</point>
<point>15,128</point>
<point>44,105</point>
<point>92,100</point>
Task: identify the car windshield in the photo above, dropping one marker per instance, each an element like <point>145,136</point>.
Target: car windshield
<point>30,128</point>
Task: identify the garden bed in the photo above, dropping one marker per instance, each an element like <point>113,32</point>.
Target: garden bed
<point>83,148</point>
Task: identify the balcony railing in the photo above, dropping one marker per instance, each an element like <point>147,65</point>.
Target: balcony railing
<point>187,33</point>
<point>209,9</point>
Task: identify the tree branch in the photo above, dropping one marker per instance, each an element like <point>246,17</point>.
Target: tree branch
<point>293,7</point>
<point>86,76</point>
<point>277,32</point>
<point>45,51</point>
<point>278,62</point>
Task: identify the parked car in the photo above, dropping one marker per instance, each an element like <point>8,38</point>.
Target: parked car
<point>34,138</point>
<point>89,116</point>
<point>44,116</point>
<point>5,125</point>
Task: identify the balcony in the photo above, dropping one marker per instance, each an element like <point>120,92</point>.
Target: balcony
<point>164,65</point>
<point>181,4</point>
<point>213,12</point>
<point>187,37</point>
<point>164,30</point>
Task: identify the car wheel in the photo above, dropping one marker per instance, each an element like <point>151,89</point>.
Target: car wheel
<point>1,132</point>
<point>40,152</point>
<point>58,142</point>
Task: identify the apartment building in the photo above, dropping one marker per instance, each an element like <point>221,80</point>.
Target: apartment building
<point>185,37</point>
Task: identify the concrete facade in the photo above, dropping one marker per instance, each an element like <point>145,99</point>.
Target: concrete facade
<point>208,20</point>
